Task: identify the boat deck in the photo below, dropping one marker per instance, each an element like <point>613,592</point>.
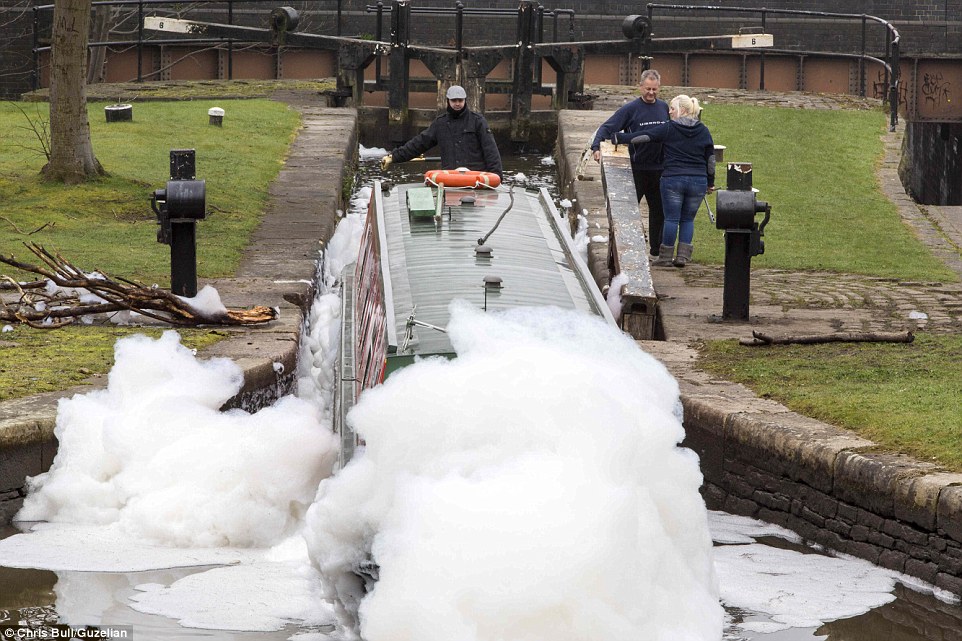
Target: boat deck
<point>432,262</point>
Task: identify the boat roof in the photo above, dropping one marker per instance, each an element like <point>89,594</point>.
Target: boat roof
<point>431,261</point>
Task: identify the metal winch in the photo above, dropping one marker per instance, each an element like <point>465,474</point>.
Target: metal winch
<point>178,207</point>
<point>736,208</point>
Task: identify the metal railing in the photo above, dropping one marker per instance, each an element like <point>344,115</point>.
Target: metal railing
<point>180,8</point>
<point>459,11</point>
<point>889,60</point>
<point>176,8</point>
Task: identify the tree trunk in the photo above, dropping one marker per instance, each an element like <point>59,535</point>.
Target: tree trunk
<point>100,32</point>
<point>71,152</point>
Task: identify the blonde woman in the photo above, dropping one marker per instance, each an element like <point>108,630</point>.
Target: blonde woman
<point>688,174</point>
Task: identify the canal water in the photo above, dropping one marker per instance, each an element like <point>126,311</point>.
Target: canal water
<point>774,586</point>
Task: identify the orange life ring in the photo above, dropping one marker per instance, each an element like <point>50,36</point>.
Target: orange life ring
<point>462,177</point>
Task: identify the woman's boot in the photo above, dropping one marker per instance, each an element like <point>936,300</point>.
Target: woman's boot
<point>664,256</point>
<point>684,254</point>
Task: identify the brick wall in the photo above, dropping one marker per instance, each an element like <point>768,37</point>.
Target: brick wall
<point>927,27</point>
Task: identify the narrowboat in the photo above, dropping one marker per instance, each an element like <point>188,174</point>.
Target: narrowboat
<point>424,245</point>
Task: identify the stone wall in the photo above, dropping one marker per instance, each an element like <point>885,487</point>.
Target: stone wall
<point>931,164</point>
<point>830,488</point>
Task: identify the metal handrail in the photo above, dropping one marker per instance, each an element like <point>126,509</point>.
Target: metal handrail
<point>140,41</point>
<point>892,43</point>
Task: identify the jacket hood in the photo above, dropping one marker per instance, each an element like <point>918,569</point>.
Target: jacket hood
<point>688,126</point>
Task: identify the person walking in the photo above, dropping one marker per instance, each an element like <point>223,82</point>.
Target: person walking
<point>646,160</point>
<point>688,174</point>
<point>462,136</point>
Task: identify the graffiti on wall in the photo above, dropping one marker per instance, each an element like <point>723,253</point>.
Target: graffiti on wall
<point>935,83</point>
<point>935,91</point>
<point>881,89</point>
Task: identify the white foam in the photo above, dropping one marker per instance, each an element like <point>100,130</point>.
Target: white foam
<point>206,302</point>
<point>153,453</point>
<point>791,587</point>
<point>613,297</point>
<point>531,488</point>
<point>256,597</point>
<point>68,547</point>
<point>371,153</point>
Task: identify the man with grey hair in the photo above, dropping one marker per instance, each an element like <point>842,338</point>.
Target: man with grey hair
<point>462,136</point>
<point>646,160</point>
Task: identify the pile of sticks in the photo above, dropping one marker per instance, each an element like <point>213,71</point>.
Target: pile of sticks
<point>36,307</point>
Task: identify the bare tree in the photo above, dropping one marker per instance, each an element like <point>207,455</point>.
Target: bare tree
<point>71,151</point>
<point>15,59</point>
<point>102,19</point>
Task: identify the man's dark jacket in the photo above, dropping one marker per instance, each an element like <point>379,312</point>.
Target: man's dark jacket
<point>464,141</point>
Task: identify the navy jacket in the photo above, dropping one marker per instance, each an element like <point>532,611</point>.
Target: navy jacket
<point>688,147</point>
<point>465,141</point>
<point>631,118</point>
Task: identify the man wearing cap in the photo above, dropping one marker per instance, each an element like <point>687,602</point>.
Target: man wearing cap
<point>646,160</point>
<point>462,136</point>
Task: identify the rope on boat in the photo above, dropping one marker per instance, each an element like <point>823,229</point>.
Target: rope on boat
<point>484,239</point>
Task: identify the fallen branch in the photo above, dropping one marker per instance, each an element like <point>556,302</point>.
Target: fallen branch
<point>7,283</point>
<point>12,224</point>
<point>842,337</point>
<point>43,310</point>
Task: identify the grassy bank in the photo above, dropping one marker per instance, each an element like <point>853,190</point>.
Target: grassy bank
<point>817,168</point>
<point>818,171</point>
<point>107,224</point>
<point>905,397</point>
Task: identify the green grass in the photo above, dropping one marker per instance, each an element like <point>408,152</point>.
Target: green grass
<point>190,90</point>
<point>34,361</point>
<point>107,224</point>
<point>904,397</point>
<point>817,169</point>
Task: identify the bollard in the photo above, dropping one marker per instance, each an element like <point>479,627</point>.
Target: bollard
<point>178,208</point>
<point>119,113</point>
<point>720,155</point>
<point>735,214</point>
<point>215,116</point>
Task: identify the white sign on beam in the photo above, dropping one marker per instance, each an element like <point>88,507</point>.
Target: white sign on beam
<point>173,25</point>
<point>751,40</point>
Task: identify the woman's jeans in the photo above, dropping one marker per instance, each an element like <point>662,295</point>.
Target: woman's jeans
<point>680,198</point>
